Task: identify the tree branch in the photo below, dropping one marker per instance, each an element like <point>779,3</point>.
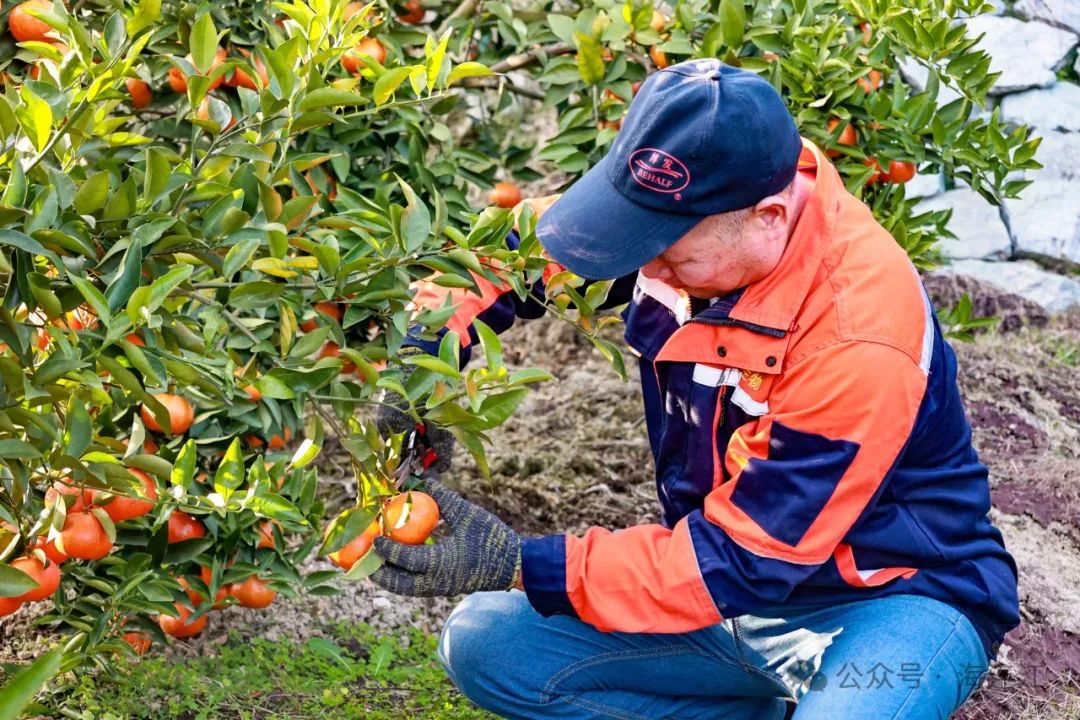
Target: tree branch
<point>496,83</point>
<point>515,62</point>
<point>463,10</point>
<point>236,322</point>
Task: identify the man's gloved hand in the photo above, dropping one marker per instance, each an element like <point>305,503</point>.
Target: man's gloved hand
<point>483,553</point>
<point>391,421</point>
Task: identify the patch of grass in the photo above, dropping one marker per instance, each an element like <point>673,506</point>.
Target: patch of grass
<point>356,674</point>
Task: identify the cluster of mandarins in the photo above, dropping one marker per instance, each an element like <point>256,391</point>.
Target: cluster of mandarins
<point>659,23</point>
<point>408,518</point>
<point>87,534</point>
<point>24,27</point>
<point>899,171</point>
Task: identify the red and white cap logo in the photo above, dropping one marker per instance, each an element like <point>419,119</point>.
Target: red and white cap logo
<point>658,171</point>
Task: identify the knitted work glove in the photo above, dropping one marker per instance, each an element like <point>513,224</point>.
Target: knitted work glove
<point>391,421</point>
<point>483,553</point>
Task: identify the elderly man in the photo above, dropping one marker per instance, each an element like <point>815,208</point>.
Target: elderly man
<point>825,551</point>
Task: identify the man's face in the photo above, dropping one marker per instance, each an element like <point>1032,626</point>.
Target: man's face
<point>721,253</point>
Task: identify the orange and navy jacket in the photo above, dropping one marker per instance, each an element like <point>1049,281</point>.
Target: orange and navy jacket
<point>809,439</point>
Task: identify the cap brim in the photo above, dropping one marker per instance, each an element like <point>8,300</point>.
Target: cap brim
<point>595,232</point>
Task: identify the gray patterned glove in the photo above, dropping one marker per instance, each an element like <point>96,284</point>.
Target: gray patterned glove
<point>482,553</point>
<point>391,421</point>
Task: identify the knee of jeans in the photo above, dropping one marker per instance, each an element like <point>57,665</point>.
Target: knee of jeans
<point>468,637</point>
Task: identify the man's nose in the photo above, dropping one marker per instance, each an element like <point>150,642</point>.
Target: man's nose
<point>656,269</point>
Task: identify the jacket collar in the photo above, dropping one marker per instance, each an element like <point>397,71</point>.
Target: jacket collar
<point>774,301</point>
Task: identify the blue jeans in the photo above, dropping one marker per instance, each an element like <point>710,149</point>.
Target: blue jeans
<point>893,657</point>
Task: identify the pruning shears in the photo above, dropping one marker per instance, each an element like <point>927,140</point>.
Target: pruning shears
<point>417,455</point>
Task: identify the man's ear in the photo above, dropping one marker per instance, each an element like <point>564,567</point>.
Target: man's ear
<point>773,211</point>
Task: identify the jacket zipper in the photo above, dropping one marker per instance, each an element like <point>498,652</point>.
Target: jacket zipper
<point>728,322</point>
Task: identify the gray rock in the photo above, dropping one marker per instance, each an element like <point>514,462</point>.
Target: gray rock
<point>1059,13</point>
<point>1059,154</point>
<point>1012,311</point>
<point>1045,220</point>
<point>925,186</point>
<point>915,74</point>
<point>980,232</point>
<point>1055,108</point>
<point>1055,293</point>
<point>1026,53</point>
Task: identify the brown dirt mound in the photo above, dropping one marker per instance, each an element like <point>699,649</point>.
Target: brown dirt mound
<point>987,300</point>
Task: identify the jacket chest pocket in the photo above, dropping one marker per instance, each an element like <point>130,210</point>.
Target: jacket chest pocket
<point>687,460</point>
<point>742,398</point>
<point>703,404</point>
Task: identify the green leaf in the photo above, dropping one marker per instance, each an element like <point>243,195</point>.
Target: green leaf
<point>285,384</point>
<point>310,343</point>
<point>435,62</point>
<point>122,375</point>
<point>160,289</point>
<point>345,528</point>
<point>467,70</point>
<point>183,471</point>
<point>275,507</point>
<point>158,173</point>
<point>331,97</point>
<point>94,299</point>
<point>733,21</point>
<point>78,430</point>
<point>530,375</point>
<point>24,686</point>
<point>119,290</point>
<point>453,281</point>
<point>137,303</point>
<point>36,117</point>
<point>15,192</point>
<point>415,220</point>
<point>16,239</point>
<point>92,194</point>
<point>238,256</point>
<point>563,27</point>
<point>14,582</point>
<point>188,550</point>
<point>309,448</point>
<point>590,58</point>
<point>18,450</point>
<point>230,473</point>
<point>497,408</point>
<point>492,346</point>
<point>388,83</point>
<point>153,464</point>
<point>252,295</point>
<point>203,43</point>
<point>327,649</point>
<point>146,15</point>
<point>365,566</point>
<point>140,361</point>
<point>433,364</point>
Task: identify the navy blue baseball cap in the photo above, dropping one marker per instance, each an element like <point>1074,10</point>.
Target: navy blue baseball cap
<point>701,138</point>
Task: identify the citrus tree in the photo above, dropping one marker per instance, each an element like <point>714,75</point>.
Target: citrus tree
<point>214,219</point>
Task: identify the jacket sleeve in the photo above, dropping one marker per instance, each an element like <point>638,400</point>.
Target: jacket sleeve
<point>497,306</point>
<point>800,477</point>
